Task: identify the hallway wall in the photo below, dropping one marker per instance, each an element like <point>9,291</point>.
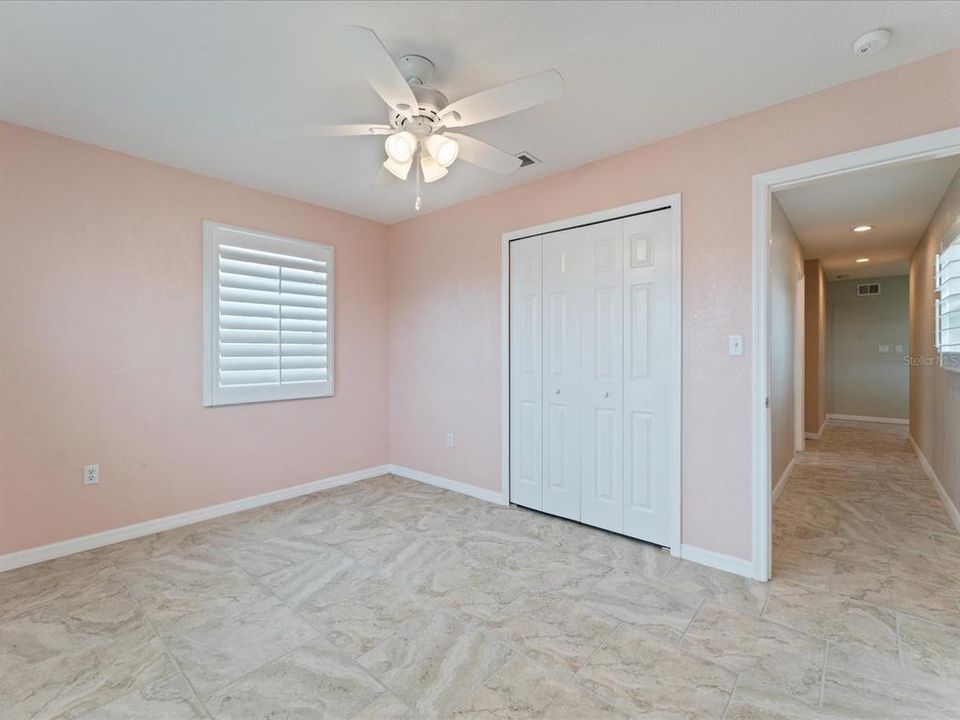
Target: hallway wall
<point>815,347</point>
<point>863,380</point>
<point>786,267</point>
<point>934,391</point>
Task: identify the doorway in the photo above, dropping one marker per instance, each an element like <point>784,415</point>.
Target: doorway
<point>936,145</point>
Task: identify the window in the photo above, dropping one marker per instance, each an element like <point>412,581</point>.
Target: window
<point>268,317</point>
<point>948,306</point>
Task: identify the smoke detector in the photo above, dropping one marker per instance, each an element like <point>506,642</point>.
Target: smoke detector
<point>871,42</point>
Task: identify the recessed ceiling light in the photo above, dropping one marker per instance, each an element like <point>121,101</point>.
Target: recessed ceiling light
<point>863,228</point>
<point>863,259</point>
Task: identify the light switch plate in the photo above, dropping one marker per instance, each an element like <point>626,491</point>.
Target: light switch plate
<point>884,348</point>
<point>736,344</point>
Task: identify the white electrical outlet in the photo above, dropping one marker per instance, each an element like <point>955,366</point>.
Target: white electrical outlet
<point>449,440</point>
<point>91,474</point>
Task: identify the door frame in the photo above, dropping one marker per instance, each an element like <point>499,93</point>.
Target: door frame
<point>923,147</point>
<point>799,362</point>
<point>671,203</point>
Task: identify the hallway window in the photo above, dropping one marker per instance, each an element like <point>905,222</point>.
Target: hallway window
<point>948,306</point>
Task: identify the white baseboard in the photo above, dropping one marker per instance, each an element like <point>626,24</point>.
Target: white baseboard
<point>43,553</point>
<point>781,483</point>
<point>941,491</point>
<point>727,563</point>
<point>819,433</point>
<point>447,484</point>
<point>869,418</point>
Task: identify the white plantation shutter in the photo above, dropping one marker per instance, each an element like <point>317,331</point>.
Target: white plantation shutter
<point>268,317</point>
<point>948,306</point>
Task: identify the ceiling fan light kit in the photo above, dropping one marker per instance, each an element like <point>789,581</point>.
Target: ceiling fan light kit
<point>400,170</point>
<point>420,115</point>
<point>400,146</point>
<point>443,149</point>
<point>432,170</point>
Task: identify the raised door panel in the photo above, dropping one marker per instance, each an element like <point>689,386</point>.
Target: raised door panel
<point>561,373</point>
<point>649,384</point>
<point>526,372</point>
<point>602,377</point>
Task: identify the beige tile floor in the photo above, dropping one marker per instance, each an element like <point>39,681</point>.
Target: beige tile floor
<point>388,599</point>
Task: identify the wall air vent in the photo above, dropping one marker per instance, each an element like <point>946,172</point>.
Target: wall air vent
<point>527,158</point>
<point>868,289</point>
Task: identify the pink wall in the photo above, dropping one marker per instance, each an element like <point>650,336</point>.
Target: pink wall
<point>445,274</point>
<point>100,340</point>
<point>100,326</point>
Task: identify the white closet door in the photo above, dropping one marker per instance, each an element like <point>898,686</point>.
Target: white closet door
<point>526,377</point>
<point>602,375</point>
<point>562,253</point>
<point>649,378</point>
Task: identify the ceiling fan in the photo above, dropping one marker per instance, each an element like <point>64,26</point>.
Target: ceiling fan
<point>420,117</point>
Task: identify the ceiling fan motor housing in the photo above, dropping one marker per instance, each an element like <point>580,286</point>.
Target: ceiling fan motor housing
<point>417,70</point>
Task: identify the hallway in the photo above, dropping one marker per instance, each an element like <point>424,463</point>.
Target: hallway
<point>872,564</point>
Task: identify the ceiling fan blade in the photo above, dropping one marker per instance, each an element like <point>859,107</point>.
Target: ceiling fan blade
<point>504,99</point>
<point>298,132</point>
<point>485,155</point>
<point>385,178</point>
<point>378,67</point>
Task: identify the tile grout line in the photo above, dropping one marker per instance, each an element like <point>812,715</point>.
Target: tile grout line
<point>692,619</point>
<point>479,685</point>
<point>173,659</point>
<point>823,673</point>
<point>899,642</point>
<point>598,648</point>
<point>733,691</point>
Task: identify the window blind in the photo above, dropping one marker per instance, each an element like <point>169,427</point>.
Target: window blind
<point>271,317</point>
<point>948,305</point>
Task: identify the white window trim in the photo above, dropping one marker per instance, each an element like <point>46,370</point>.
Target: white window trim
<point>215,395</point>
<point>949,361</point>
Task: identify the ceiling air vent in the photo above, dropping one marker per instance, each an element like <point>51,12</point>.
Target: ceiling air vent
<point>527,158</point>
<point>868,289</point>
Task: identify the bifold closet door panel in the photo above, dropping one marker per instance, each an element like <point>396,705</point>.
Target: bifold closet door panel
<point>601,380</point>
<point>649,378</point>
<point>562,272</point>
<point>526,372</point>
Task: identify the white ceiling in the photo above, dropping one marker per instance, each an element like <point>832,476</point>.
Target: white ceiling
<point>897,200</point>
<point>192,84</point>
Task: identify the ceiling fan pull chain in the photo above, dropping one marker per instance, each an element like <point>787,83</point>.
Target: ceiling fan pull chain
<point>418,203</point>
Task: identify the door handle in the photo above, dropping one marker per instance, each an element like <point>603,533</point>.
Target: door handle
<point>605,394</point>
<point>557,391</point>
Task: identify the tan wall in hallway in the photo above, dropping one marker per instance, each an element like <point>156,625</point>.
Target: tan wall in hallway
<point>786,264</point>
<point>934,392</point>
<point>815,346</point>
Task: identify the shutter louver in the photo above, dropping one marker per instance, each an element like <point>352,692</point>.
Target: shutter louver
<point>272,320</point>
<point>948,306</point>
